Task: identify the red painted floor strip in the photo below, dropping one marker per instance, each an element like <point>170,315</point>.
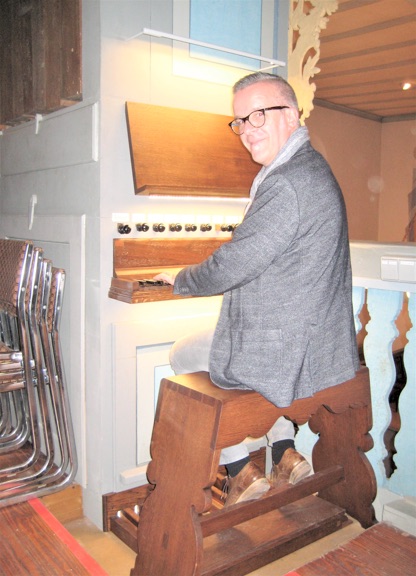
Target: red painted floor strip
<point>78,551</point>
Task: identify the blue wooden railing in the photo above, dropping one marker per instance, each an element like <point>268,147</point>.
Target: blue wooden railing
<point>384,299</point>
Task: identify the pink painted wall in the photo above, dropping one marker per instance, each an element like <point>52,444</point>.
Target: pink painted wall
<point>398,171</point>
<point>352,146</point>
<point>375,164</point>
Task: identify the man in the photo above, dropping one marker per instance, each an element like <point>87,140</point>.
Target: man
<point>286,325</point>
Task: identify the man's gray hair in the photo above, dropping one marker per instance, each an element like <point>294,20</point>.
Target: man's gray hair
<point>282,86</point>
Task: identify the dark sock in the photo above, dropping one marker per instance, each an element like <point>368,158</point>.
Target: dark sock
<point>279,448</point>
<point>235,468</point>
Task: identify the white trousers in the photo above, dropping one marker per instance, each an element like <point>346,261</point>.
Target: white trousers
<point>191,354</point>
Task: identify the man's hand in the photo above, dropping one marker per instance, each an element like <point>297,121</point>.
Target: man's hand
<point>168,278</point>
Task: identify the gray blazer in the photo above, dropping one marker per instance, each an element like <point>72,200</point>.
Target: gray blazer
<point>286,326</point>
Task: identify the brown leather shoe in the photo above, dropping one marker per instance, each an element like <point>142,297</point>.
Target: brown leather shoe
<point>291,469</point>
<point>249,484</point>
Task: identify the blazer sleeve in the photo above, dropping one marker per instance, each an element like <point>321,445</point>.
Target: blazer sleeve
<point>267,230</point>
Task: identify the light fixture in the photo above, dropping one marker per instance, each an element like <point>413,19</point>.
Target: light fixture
<point>406,86</point>
<point>193,199</point>
<point>156,34</point>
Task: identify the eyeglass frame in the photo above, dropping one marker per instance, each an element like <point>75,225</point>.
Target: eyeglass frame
<point>247,118</point>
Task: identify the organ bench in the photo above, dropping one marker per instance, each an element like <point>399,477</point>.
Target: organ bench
<point>180,534</point>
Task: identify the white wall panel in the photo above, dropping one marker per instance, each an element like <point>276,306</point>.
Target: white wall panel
<point>64,138</point>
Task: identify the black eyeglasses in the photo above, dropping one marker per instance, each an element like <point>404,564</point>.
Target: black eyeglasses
<point>257,118</point>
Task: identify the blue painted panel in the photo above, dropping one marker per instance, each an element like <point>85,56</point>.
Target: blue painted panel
<point>384,307</point>
<point>233,24</point>
<point>403,480</point>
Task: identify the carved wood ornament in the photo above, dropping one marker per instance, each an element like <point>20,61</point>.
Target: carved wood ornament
<point>307,19</point>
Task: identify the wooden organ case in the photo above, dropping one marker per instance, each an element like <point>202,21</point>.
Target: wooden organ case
<point>176,152</point>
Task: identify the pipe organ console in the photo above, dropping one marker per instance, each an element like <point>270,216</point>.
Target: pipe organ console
<point>136,261</point>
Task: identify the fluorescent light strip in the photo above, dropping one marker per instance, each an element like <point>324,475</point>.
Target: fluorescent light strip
<point>157,34</point>
<point>187,198</point>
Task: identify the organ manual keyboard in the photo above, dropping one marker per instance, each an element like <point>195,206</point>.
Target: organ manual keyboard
<point>136,261</point>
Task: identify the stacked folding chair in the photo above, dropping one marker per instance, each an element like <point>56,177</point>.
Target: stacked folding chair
<point>37,448</point>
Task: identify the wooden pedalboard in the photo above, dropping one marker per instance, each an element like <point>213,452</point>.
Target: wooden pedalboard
<point>235,551</point>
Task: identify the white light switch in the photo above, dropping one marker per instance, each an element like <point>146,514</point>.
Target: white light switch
<point>407,270</point>
<point>389,269</point>
<point>399,268</point>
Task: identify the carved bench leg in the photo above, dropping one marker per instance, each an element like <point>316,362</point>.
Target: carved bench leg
<point>183,468</point>
<point>343,439</point>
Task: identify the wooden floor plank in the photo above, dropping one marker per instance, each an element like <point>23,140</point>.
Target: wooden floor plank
<point>382,550</point>
<point>29,546</point>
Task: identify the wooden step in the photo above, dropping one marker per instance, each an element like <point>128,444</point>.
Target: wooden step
<point>125,529</point>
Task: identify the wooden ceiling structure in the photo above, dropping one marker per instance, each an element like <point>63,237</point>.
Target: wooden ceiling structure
<point>367,52</point>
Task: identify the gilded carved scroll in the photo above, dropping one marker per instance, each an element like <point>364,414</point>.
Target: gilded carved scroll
<point>307,19</point>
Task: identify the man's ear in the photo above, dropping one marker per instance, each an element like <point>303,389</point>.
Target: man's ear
<point>292,117</point>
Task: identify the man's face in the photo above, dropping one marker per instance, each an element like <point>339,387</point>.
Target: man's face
<point>266,142</point>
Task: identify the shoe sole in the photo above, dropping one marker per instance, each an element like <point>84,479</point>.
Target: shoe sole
<point>255,490</point>
<point>299,472</point>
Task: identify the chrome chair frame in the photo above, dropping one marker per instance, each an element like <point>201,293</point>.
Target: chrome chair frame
<point>52,463</point>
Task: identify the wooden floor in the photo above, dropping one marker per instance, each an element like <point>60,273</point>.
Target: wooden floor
<point>382,550</point>
<point>33,544</point>
<point>29,547</point>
